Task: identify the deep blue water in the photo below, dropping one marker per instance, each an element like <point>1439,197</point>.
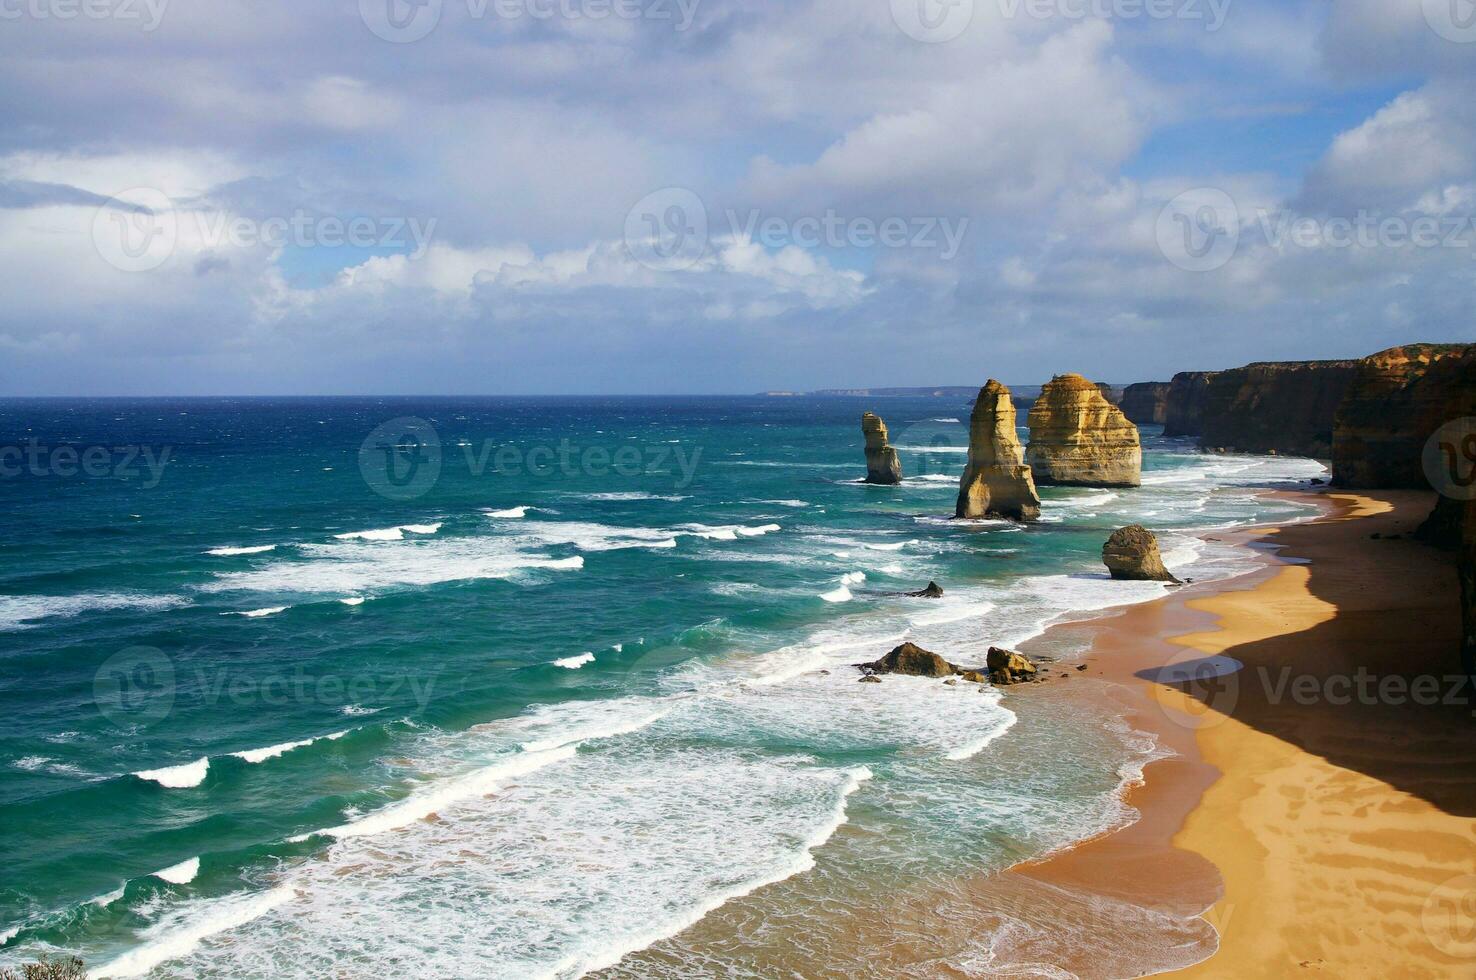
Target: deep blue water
<point>367,600</point>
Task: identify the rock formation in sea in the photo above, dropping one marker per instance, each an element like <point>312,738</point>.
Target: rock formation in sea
<point>1131,553</point>
<point>1145,403</point>
<point>1009,667</point>
<point>1285,407</point>
<point>1397,400</point>
<point>913,661</point>
<point>1183,413</point>
<point>996,482</point>
<point>1078,438</point>
<point>933,591</point>
<point>882,465</point>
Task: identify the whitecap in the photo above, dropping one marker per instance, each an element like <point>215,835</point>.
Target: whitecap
<point>180,874</point>
<point>512,513</point>
<point>178,777</point>
<point>181,933</point>
<point>256,550</point>
<point>574,663</point>
<point>841,594</point>
<point>383,534</point>
<point>254,756</point>
<point>422,805</point>
<point>353,600</point>
<point>108,898</point>
<point>259,613</point>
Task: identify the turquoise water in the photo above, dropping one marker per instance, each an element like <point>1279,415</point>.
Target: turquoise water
<point>528,684</point>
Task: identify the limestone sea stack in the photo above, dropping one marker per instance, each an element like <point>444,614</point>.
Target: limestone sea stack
<point>1132,554</point>
<point>996,482</point>
<point>1079,438</point>
<point>882,465</point>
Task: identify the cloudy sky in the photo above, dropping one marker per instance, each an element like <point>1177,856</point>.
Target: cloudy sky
<point>655,196</point>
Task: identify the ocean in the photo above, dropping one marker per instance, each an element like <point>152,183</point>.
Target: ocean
<point>518,687</point>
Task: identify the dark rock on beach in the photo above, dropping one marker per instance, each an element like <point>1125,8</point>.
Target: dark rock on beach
<point>1132,554</point>
<point>1009,667</point>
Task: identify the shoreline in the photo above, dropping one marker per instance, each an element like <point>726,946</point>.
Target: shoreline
<point>1214,843</point>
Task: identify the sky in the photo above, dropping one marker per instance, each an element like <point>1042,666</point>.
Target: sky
<point>722,196</point>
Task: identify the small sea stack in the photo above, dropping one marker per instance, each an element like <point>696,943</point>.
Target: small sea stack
<point>1079,438</point>
<point>882,465</point>
<point>996,482</point>
<point>1132,554</point>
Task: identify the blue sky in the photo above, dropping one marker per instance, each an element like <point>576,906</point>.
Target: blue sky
<point>1037,162</point>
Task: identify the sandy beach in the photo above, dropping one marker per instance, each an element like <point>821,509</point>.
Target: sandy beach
<point>1323,799</point>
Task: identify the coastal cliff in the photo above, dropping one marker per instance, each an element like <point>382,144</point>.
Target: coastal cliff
<point>1285,407</point>
<point>1079,438</point>
<point>1183,412</point>
<point>996,483</point>
<point>882,465</point>
<point>1396,402</point>
<point>1146,403</point>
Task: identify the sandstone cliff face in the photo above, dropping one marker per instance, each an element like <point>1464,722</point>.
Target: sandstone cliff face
<point>1398,399</point>
<point>1146,403</point>
<point>1284,407</point>
<point>1184,412</point>
<point>996,483</point>
<point>1078,438</point>
<point>882,464</point>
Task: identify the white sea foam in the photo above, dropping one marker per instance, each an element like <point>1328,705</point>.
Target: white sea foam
<point>574,663</point>
<point>853,578</point>
<point>356,567</point>
<point>511,514</point>
<point>886,547</point>
<point>255,756</point>
<point>256,550</point>
<point>108,898</point>
<point>389,533</point>
<point>180,933</point>
<point>184,776</point>
<point>21,611</point>
<point>259,613</point>
<point>353,600</point>
<point>422,805</point>
<point>841,594</point>
<point>631,495</point>
<point>180,874</point>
